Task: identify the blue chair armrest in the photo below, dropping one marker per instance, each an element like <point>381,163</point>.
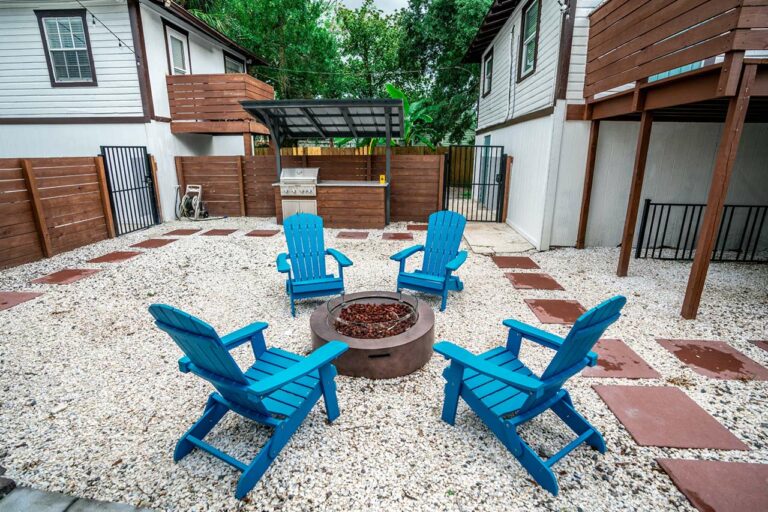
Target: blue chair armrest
<point>282,263</point>
<point>317,359</point>
<point>592,358</point>
<point>456,262</point>
<point>534,334</point>
<point>338,256</point>
<point>240,336</point>
<point>405,253</point>
<point>470,360</point>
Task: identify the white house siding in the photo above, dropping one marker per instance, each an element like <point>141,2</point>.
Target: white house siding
<point>575,90</point>
<point>509,98</point>
<point>679,169</point>
<point>25,87</point>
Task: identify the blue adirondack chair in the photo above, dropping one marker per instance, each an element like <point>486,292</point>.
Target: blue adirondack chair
<point>279,389</point>
<point>307,276</point>
<point>504,393</point>
<point>441,257</point>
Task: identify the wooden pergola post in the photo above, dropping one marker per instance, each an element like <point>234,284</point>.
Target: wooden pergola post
<point>586,196</point>
<point>247,144</point>
<point>635,190</point>
<point>718,189</point>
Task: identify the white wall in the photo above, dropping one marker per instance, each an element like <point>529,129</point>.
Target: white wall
<point>575,90</point>
<point>25,86</point>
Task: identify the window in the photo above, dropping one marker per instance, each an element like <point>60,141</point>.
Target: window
<point>529,38</point>
<point>177,44</point>
<point>233,64</point>
<point>488,73</point>
<point>67,47</point>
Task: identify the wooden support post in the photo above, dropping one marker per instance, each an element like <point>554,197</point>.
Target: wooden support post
<point>589,174</point>
<point>37,208</point>
<point>241,185</point>
<point>180,175</point>
<point>507,176</point>
<point>718,189</point>
<point>730,73</point>
<point>248,144</point>
<point>106,202</point>
<point>304,158</point>
<point>635,190</point>
<point>153,168</point>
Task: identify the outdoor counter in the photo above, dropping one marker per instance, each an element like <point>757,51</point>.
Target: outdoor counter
<point>344,204</point>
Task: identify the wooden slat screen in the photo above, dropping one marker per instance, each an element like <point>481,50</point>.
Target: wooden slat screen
<point>214,97</point>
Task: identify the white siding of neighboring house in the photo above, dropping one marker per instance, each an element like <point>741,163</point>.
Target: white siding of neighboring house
<point>508,98</point>
<point>25,87</point>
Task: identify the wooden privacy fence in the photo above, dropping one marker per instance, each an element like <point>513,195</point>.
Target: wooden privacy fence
<point>364,150</point>
<point>242,185</point>
<point>51,205</point>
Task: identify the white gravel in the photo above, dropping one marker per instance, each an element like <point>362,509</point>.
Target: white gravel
<point>92,403</point>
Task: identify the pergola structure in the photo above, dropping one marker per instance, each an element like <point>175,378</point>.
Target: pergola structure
<point>323,119</point>
<point>629,42</point>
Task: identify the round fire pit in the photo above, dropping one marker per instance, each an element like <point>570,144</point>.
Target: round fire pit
<point>389,334</point>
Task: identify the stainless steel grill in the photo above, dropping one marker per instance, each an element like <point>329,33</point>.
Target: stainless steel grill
<point>299,182</point>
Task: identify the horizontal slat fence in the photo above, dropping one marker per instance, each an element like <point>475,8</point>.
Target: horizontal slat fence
<point>344,151</point>
<point>238,185</point>
<point>51,205</point>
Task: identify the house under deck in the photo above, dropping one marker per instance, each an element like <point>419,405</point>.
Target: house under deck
<point>630,43</point>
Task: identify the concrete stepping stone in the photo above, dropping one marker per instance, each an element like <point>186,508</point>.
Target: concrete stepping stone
<point>115,257</point>
<point>397,236</point>
<point>353,235</point>
<point>24,498</point>
<point>523,262</point>
<point>10,299</point>
<point>616,359</point>
<point>417,227</point>
<point>182,232</point>
<point>219,232</point>
<point>533,281</point>
<point>761,344</point>
<point>263,232</point>
<point>715,359</point>
<point>665,416</point>
<point>154,243</point>
<point>555,311</point>
<point>713,485</point>
<point>66,276</point>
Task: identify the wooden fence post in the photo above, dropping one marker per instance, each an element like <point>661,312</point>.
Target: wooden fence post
<point>241,184</point>
<point>180,176</point>
<point>440,176</point>
<point>153,169</point>
<point>507,175</point>
<point>106,204</point>
<point>37,208</point>
<point>369,167</point>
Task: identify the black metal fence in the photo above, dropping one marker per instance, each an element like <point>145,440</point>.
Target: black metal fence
<point>474,182</point>
<point>131,188</point>
<point>669,231</point>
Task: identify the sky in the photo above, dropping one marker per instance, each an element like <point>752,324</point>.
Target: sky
<point>384,5</point>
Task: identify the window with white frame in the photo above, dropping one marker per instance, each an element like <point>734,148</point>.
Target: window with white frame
<point>178,52</point>
<point>233,65</point>
<point>488,72</point>
<point>529,37</point>
<point>67,47</point>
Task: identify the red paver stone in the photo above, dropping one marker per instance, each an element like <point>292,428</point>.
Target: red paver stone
<point>263,232</point>
<point>10,299</point>
<point>715,359</point>
<point>66,276</point>
<point>665,416</point>
<point>182,232</point>
<point>353,235</point>
<point>762,344</point>
<point>154,243</point>
<point>514,262</point>
<point>397,236</point>
<point>533,281</point>
<point>219,232</point>
<point>713,485</point>
<point>115,257</point>
<point>555,311</point>
<point>616,359</point>
<point>417,227</point>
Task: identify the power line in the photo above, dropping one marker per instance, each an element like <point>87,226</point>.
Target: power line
<point>363,73</point>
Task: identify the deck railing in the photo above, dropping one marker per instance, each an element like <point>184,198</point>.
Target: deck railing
<point>214,98</point>
<point>631,40</point>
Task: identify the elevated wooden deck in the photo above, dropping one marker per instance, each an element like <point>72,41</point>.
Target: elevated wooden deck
<point>210,104</point>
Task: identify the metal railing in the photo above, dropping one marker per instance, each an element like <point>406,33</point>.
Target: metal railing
<point>669,231</point>
<point>473,184</point>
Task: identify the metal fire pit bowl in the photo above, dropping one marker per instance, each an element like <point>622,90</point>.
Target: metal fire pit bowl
<point>382,358</point>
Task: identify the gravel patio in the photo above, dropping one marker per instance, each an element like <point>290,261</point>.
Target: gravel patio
<point>93,403</point>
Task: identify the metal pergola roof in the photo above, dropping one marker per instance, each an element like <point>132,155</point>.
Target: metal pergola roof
<point>308,119</point>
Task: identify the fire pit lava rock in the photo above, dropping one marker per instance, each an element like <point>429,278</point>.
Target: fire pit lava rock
<point>370,315</point>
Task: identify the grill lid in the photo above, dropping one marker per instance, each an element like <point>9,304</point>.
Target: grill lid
<point>299,175</point>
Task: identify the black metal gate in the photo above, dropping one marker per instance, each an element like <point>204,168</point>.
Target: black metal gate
<point>131,188</point>
<point>473,184</point>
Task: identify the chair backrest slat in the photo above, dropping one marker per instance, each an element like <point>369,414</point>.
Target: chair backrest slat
<point>444,233</point>
<point>306,247</point>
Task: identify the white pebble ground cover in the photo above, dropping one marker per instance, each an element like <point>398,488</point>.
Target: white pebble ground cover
<point>92,402</point>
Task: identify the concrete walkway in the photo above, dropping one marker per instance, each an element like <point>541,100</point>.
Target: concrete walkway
<point>24,499</point>
<point>495,238</point>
